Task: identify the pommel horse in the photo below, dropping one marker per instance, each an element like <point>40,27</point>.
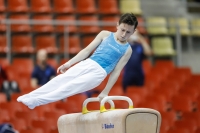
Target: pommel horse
<point>131,120</point>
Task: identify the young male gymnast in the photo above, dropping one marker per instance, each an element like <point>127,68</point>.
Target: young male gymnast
<point>112,51</point>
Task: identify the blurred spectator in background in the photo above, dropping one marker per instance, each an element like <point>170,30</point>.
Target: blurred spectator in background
<point>6,86</point>
<point>133,71</point>
<point>3,75</point>
<point>42,72</point>
<point>7,128</point>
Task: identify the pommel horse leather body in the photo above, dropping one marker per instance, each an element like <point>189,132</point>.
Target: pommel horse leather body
<point>132,120</point>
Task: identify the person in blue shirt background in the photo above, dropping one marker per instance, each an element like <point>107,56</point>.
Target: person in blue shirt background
<point>133,70</point>
<point>42,72</point>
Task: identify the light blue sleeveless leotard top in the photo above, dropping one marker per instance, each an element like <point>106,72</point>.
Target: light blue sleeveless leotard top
<point>109,52</point>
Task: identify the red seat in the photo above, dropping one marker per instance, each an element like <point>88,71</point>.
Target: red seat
<point>102,85</point>
<point>108,7</point>
<point>165,72</point>
<point>198,130</point>
<point>47,42</point>
<point>19,64</point>
<point>18,6</point>
<point>89,28</point>
<point>2,6</point>
<point>165,69</point>
<point>161,101</point>
<point>155,78</point>
<point>147,66</point>
<point>196,77</point>
<point>182,103</point>
<point>153,105</point>
<point>24,81</point>
<point>136,98</point>
<point>150,84</point>
<point>3,98</point>
<point>165,63</point>
<point>2,26</point>
<point>4,62</point>
<point>18,124</point>
<point>119,80</point>
<point>69,107</point>
<point>178,130</point>
<point>142,91</point>
<point>165,126</point>
<point>14,96</point>
<point>113,19</point>
<point>116,90</point>
<point>171,84</point>
<point>54,131</point>
<point>22,76</point>
<point>42,109</point>
<point>33,130</point>
<point>91,106</point>
<point>198,104</point>
<point>4,116</point>
<point>45,125</point>
<point>53,115</point>
<point>40,6</point>
<point>20,27</point>
<point>166,92</point>
<point>169,116</point>
<point>53,63</point>
<point>12,108</point>
<point>192,115</point>
<point>183,70</point>
<point>85,7</point>
<point>27,116</point>
<point>72,45</point>
<point>3,46</point>
<point>70,28</point>
<point>63,6</point>
<point>11,73</point>
<point>73,104</point>
<point>191,91</point>
<point>87,40</point>
<point>78,99</point>
<point>177,79</point>
<point>22,44</point>
<point>182,73</point>
<point>27,90</point>
<point>189,124</point>
<point>43,28</point>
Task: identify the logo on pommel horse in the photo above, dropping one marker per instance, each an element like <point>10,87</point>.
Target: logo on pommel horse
<point>107,126</point>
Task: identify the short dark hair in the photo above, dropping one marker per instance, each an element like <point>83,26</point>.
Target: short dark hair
<point>129,18</point>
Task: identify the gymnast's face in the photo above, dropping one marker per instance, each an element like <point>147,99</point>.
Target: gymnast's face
<point>124,31</point>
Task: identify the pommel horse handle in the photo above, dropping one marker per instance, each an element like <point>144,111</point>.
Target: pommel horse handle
<point>94,99</point>
<point>104,100</point>
<point>108,98</point>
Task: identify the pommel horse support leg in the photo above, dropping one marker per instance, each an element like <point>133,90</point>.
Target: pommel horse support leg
<point>132,120</point>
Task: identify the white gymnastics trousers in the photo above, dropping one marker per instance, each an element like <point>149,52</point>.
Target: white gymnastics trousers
<point>82,77</point>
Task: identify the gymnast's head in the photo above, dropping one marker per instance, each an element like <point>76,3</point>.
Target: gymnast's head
<point>126,26</point>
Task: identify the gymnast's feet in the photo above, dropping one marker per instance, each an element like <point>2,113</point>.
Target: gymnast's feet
<point>19,99</point>
<point>28,101</point>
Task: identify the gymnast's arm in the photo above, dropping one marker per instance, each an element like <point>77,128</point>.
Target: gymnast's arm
<point>84,53</point>
<point>115,73</point>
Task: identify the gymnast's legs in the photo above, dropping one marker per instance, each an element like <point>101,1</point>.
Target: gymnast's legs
<point>79,78</point>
